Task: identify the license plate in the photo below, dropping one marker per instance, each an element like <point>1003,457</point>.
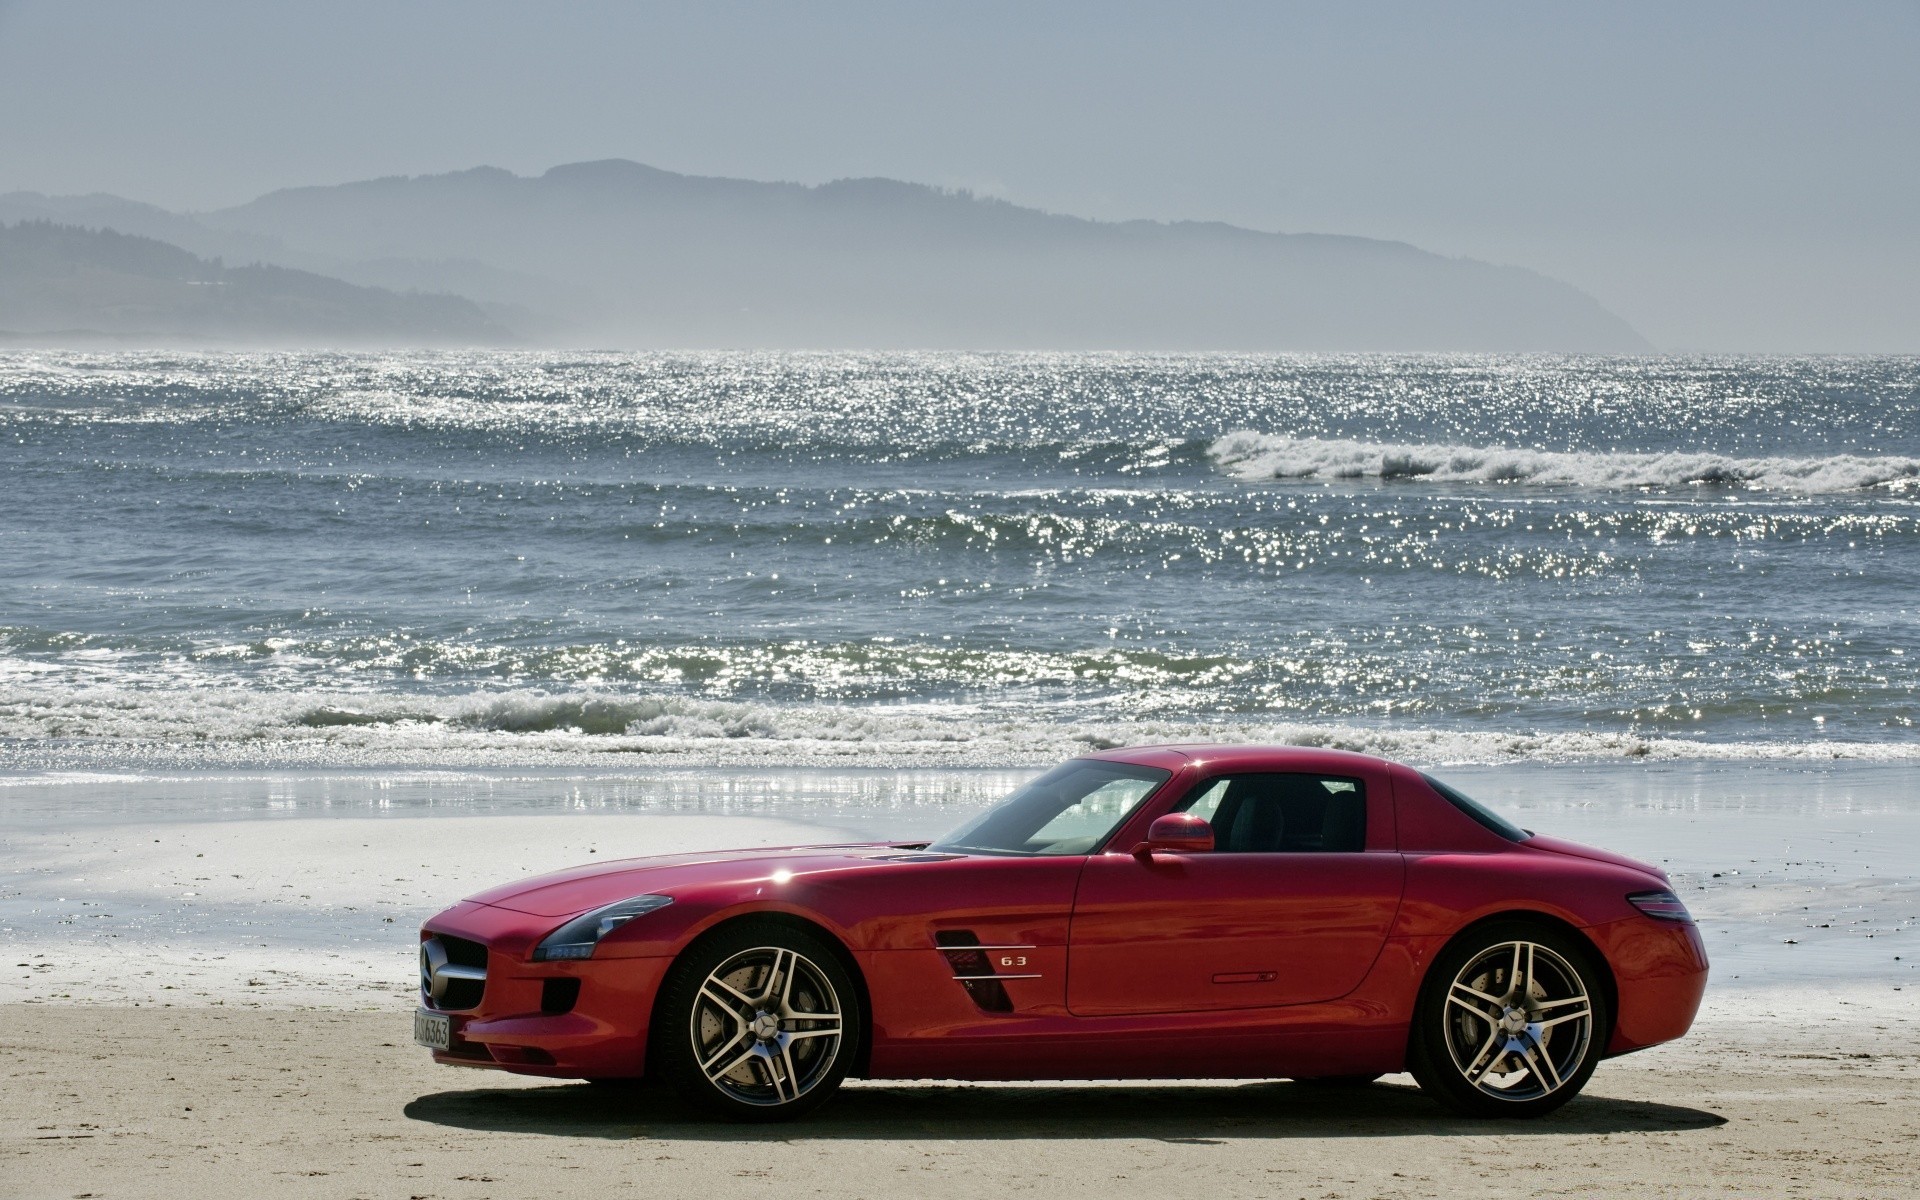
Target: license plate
<point>432,1029</point>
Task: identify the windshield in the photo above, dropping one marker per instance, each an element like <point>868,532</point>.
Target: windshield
<point>1072,809</point>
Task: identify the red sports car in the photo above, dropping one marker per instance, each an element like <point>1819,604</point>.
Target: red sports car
<point>1171,911</point>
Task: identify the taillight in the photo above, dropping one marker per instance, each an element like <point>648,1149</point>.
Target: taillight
<point>1661,906</point>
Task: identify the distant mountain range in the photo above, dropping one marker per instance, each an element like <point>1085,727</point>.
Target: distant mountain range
<point>617,254</point>
<point>68,285</point>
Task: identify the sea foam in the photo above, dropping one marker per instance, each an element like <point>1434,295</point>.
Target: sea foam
<point>90,729</point>
<point>1261,456</point>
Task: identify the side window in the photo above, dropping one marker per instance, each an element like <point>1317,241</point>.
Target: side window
<point>1205,801</point>
<point>1275,813</point>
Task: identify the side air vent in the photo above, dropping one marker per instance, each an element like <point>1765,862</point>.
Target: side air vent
<point>976,967</point>
<point>559,996</point>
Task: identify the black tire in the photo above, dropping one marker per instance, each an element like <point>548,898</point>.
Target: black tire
<point>1498,1030</point>
<point>745,1027</point>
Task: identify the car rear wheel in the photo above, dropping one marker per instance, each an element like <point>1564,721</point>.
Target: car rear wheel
<point>1511,1023</point>
<point>757,1023</point>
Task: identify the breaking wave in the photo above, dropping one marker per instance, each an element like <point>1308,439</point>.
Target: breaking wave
<point>1261,456</point>
<point>101,727</point>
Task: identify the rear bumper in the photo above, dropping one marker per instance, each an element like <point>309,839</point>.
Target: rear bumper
<point>1660,973</point>
<point>601,1034</point>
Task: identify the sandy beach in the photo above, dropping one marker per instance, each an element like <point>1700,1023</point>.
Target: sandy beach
<point>218,1007</point>
<point>1819,1099</point>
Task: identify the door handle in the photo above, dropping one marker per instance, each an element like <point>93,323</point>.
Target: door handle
<point>1246,977</point>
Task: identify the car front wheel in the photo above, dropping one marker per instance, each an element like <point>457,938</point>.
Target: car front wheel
<point>757,1023</point>
<point>1512,1021</point>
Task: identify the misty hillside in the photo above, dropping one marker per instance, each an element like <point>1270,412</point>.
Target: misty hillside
<point>76,282</point>
<point>677,260</point>
<point>623,255</point>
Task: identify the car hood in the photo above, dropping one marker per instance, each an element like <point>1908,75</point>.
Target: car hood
<point>577,889</point>
<point>1554,845</point>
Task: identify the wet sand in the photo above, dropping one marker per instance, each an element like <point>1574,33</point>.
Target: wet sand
<point>321,912</point>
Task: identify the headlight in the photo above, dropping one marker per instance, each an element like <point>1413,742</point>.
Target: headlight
<point>1661,905</point>
<point>578,937</point>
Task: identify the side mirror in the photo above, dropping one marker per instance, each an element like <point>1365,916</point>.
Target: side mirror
<point>1177,833</point>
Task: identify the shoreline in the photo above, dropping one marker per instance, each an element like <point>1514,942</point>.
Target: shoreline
<point>307,888</point>
<point>745,735</point>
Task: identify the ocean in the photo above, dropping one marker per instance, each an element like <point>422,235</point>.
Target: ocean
<point>952,559</point>
<point>297,648</point>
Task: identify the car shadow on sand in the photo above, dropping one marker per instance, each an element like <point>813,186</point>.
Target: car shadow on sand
<point>1164,1112</point>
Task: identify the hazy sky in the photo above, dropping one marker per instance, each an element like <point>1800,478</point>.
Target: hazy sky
<point>1740,176</point>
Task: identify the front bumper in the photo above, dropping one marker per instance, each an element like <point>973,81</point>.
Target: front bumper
<point>600,1033</point>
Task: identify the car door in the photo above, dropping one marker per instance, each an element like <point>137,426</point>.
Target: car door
<point>1291,907</point>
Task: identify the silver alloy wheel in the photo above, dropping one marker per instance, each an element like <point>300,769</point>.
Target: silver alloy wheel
<point>766,1026</point>
<point>1518,1021</point>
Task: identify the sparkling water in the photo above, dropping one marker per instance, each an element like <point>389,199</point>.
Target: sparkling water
<point>481,557</point>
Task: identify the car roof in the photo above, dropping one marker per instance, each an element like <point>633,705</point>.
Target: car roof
<point>1228,757</point>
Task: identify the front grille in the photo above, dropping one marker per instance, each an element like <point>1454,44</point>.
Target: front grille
<point>453,972</point>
